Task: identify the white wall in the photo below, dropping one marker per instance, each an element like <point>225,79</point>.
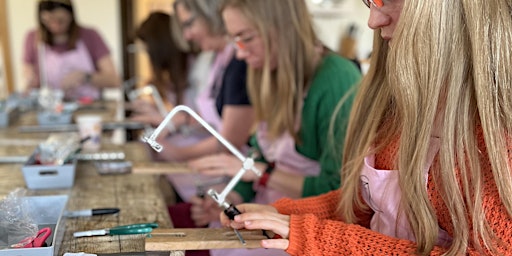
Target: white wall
<point>102,15</point>
<point>332,21</point>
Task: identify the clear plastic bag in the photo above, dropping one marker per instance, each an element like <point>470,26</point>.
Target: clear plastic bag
<point>57,148</point>
<point>51,100</point>
<point>16,221</point>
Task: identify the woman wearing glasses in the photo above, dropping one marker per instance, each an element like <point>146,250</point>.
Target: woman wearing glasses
<point>427,164</point>
<point>295,84</point>
<point>223,102</point>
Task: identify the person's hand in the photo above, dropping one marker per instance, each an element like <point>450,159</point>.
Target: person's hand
<point>266,217</point>
<point>170,152</point>
<point>221,165</point>
<point>144,112</point>
<point>204,210</point>
<point>73,79</point>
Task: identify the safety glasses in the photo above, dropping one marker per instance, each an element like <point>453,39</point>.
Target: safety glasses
<point>241,42</point>
<point>376,3</point>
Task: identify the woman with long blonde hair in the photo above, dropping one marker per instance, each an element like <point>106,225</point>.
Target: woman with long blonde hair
<point>427,159</point>
<point>295,84</point>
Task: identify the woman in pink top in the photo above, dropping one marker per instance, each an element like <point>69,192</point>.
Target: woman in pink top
<point>75,58</point>
<point>427,164</point>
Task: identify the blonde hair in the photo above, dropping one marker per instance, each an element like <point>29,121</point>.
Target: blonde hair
<point>448,60</point>
<point>277,95</point>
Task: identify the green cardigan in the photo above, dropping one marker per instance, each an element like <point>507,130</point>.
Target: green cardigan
<point>335,79</point>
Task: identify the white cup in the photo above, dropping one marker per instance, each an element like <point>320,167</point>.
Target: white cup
<point>90,125</point>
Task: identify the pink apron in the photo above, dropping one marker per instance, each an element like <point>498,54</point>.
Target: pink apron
<point>206,98</point>
<point>381,191</point>
<point>185,184</point>
<point>58,65</point>
<point>282,151</point>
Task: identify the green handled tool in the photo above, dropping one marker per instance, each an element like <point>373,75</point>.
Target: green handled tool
<point>141,228</point>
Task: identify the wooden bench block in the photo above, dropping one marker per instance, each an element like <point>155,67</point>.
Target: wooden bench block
<point>201,239</point>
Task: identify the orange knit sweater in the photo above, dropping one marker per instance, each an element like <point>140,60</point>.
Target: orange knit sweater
<point>315,229</point>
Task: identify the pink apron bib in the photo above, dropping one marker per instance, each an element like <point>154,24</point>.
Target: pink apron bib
<point>282,151</point>
<point>381,191</point>
<point>58,65</point>
<point>205,101</point>
<point>185,184</point>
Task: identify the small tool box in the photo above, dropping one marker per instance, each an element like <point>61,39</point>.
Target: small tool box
<point>47,212</point>
<point>52,165</point>
<point>40,176</point>
<point>63,116</point>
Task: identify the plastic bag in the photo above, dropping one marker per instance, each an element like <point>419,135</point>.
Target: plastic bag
<point>57,148</point>
<point>16,221</point>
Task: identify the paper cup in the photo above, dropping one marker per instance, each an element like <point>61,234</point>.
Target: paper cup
<point>90,125</point>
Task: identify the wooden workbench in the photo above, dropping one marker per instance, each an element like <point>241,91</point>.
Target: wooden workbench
<point>107,111</point>
<point>138,196</point>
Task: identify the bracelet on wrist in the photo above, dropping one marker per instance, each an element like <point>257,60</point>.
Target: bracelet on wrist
<point>262,182</point>
<point>88,78</point>
<point>270,167</point>
<point>266,175</point>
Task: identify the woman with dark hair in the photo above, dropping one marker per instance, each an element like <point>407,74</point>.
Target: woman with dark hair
<point>170,62</point>
<point>74,58</point>
<point>168,59</point>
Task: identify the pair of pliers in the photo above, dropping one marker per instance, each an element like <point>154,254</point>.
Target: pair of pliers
<point>140,228</point>
<point>38,241</point>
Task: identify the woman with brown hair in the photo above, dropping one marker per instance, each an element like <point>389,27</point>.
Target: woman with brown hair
<point>73,58</point>
<point>170,60</point>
